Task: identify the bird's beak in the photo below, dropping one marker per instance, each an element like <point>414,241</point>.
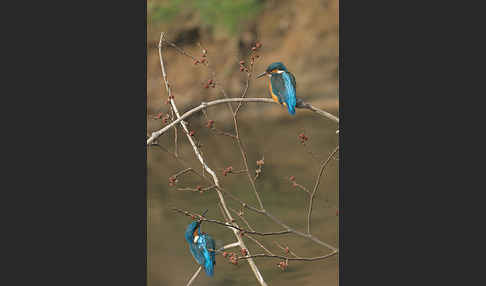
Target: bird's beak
<point>200,220</point>
<point>259,76</point>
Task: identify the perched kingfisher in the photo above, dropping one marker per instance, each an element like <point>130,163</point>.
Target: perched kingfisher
<point>202,246</point>
<point>282,85</point>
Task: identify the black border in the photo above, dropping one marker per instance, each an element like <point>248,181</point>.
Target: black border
<point>81,208</point>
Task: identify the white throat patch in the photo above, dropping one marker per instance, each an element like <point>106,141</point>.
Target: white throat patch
<point>279,72</point>
<point>196,238</point>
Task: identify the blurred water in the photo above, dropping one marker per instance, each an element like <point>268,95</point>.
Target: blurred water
<point>169,260</point>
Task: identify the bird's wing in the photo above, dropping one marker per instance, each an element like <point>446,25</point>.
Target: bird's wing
<point>283,87</point>
<point>290,97</point>
<point>290,86</point>
<point>206,243</point>
<point>292,78</point>
<point>211,246</point>
<point>197,253</point>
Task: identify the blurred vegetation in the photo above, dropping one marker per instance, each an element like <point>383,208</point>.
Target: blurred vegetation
<point>228,15</point>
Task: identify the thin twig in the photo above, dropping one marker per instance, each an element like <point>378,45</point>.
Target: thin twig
<point>301,187</point>
<point>290,258</point>
<point>221,132</point>
<point>182,162</point>
<point>237,172</point>
<point>197,189</point>
<point>287,249</point>
<point>222,212</point>
<point>234,113</point>
<point>182,172</point>
<point>299,233</point>
<point>259,244</point>
<point>250,228</point>
<point>216,130</point>
<point>274,219</point>
<point>243,204</point>
<point>245,162</point>
<point>316,186</point>
<point>243,219</point>
<point>279,222</point>
<point>241,230</point>
<point>247,85</point>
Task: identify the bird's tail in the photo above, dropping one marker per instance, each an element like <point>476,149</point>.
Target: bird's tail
<point>291,103</point>
<point>209,268</point>
<point>291,109</point>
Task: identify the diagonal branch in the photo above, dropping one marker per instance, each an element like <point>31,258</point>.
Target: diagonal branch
<point>194,276</point>
<point>260,244</point>
<point>316,186</point>
<point>299,233</point>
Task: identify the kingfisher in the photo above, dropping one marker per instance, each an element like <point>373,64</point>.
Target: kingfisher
<point>282,85</point>
<point>202,246</point>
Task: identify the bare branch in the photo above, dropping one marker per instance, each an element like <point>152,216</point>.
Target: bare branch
<point>302,104</point>
<point>259,244</point>
<point>182,162</point>
<point>194,276</point>
<point>228,246</point>
<point>222,212</point>
<point>301,187</point>
<point>200,189</point>
<point>237,172</point>
<point>245,161</point>
<point>205,105</point>
<point>299,233</point>
<point>242,218</point>
<point>182,172</point>
<point>241,230</point>
<point>291,258</point>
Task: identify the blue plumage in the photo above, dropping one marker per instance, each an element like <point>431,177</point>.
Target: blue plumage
<point>201,246</point>
<point>282,85</point>
<point>290,98</point>
<point>204,244</point>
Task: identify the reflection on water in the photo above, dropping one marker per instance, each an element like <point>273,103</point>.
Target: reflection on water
<point>275,140</point>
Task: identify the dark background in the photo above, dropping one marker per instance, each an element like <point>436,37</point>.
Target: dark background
<point>70,218</point>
